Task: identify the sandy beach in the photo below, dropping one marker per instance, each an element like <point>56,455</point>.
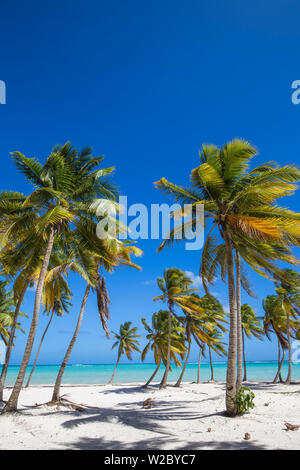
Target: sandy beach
<point>190,417</point>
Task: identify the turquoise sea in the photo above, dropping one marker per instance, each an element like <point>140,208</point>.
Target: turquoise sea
<point>126,373</point>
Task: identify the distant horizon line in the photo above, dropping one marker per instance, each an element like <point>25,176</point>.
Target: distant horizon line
<point>142,363</point>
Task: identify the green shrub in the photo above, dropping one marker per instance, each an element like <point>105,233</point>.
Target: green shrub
<point>243,400</point>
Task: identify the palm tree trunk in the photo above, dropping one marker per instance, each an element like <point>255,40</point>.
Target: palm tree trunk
<point>178,383</point>
<point>12,404</point>
<point>199,364</point>
<point>153,375</point>
<point>11,340</point>
<point>244,356</point>
<point>282,361</point>
<point>212,377</point>
<point>289,376</point>
<point>279,363</point>
<point>38,351</point>
<point>232,346</point>
<point>165,377</point>
<point>115,370</point>
<point>239,323</point>
<point>56,391</point>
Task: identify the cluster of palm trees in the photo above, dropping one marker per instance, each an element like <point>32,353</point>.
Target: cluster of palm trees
<point>50,232</point>
<point>53,231</point>
<point>204,320</point>
<point>246,228</point>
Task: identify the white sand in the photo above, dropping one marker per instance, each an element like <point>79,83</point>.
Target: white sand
<point>179,420</point>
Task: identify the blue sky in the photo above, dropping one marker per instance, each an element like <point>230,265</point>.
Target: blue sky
<point>146,83</point>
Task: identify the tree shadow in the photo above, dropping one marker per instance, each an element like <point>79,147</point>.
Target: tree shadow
<point>161,443</point>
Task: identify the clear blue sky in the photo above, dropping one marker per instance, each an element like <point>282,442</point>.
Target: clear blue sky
<point>146,83</point>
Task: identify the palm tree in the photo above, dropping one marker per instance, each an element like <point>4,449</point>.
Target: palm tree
<point>216,345</point>
<point>275,320</point>
<point>175,287</point>
<point>127,343</point>
<point>56,298</point>
<point>288,291</point>
<point>96,255</point>
<point>250,327</point>
<point>65,191</point>
<point>6,311</point>
<point>157,336</point>
<point>216,317</point>
<point>241,206</point>
<point>8,327</point>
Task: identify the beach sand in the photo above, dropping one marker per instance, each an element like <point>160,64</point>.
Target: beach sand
<point>179,419</point>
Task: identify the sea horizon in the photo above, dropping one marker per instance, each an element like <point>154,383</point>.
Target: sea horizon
<point>88,374</point>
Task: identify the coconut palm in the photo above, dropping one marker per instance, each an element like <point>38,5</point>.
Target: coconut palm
<point>195,327</point>
<point>127,343</point>
<point>105,254</point>
<point>250,327</point>
<point>201,326</point>
<point>216,345</point>
<point>175,287</point>
<point>241,205</point>
<point>8,326</point>
<point>157,336</point>
<point>6,312</point>
<point>215,317</point>
<point>65,191</point>
<point>275,321</point>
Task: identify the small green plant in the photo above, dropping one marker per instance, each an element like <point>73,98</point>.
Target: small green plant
<point>243,400</point>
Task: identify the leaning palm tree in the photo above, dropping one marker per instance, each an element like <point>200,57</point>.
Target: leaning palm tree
<point>175,287</point>
<point>65,191</point>
<point>157,336</point>
<point>250,327</point>
<point>127,343</point>
<point>241,205</point>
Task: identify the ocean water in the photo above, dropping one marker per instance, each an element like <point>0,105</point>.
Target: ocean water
<point>127,373</point>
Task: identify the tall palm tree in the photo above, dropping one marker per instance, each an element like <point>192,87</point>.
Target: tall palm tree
<point>157,336</point>
<point>65,191</point>
<point>175,287</point>
<point>127,343</point>
<point>250,327</point>
<point>241,205</point>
